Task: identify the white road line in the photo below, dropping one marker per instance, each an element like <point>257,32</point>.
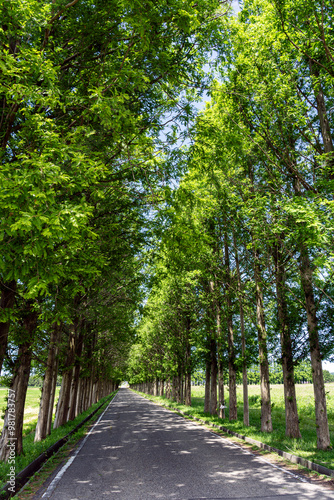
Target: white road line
<point>62,471</point>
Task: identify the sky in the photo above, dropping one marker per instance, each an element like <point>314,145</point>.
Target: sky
<point>235,5</point>
<point>328,366</point>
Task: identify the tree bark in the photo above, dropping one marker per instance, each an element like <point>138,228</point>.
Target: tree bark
<point>181,389</point>
<point>6,302</point>
<point>187,384</point>
<point>76,371</point>
<point>231,372</point>
<point>64,398</point>
<point>306,274</point>
<point>243,338</point>
<point>177,380</point>
<point>52,396</point>
<point>168,395</point>
<point>12,429</point>
<point>174,389</point>
<point>323,438</point>
<point>46,396</point>
<point>221,396</point>
<point>233,415</point>
<point>213,377</point>
<point>78,405</point>
<point>220,360</point>
<point>266,422</point>
<point>291,412</point>
<point>207,385</point>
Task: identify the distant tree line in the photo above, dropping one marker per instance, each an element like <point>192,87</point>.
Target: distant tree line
<point>302,372</point>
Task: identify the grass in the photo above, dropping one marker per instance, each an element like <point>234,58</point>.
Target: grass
<point>33,450</point>
<point>305,447</point>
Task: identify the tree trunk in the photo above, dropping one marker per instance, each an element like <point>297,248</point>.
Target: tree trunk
<point>230,338</point>
<point>11,437</point>
<point>181,389</point>
<point>44,409</point>
<point>78,405</point>
<point>221,396</point>
<point>168,394</point>
<point>76,371</point>
<point>243,338</point>
<point>174,389</point>
<point>188,389</point>
<point>220,359</point>
<point>207,385</point>
<point>306,273</point>
<point>266,422</point>
<point>52,396</point>
<point>84,394</point>
<point>64,398</point>
<point>6,302</point>
<point>232,372</point>
<point>323,438</point>
<point>178,388</point>
<point>187,383</point>
<point>90,385</point>
<point>291,412</point>
<point>214,372</point>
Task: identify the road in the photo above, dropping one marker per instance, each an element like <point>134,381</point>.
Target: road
<point>140,451</point>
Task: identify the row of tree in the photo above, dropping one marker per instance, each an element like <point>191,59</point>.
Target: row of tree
<point>85,89</point>
<point>302,374</point>
<point>244,270</point>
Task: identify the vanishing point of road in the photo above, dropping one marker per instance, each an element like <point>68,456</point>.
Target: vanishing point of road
<point>140,451</point>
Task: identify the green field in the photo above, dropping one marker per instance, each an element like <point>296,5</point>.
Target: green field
<point>305,402</point>
<point>30,410</point>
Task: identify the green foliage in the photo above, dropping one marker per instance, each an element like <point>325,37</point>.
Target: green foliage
<point>302,373</point>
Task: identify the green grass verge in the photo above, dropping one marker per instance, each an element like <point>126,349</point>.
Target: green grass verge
<point>305,447</point>
<point>33,450</point>
<point>60,457</point>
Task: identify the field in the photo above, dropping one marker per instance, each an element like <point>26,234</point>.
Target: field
<point>30,410</point>
<point>305,402</point>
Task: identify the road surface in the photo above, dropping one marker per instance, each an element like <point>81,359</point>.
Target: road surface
<point>140,451</point>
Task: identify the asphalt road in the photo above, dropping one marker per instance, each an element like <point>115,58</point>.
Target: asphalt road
<point>140,451</point>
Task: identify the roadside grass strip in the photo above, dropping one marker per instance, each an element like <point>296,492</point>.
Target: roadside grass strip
<point>36,454</point>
